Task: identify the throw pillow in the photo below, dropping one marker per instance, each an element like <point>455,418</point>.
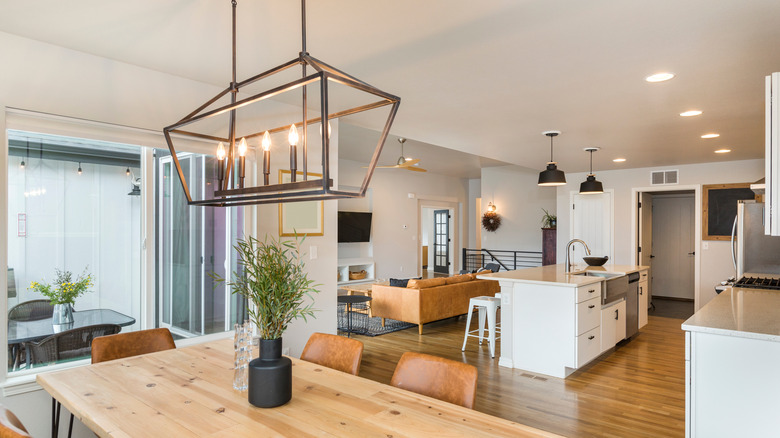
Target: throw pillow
<point>399,282</point>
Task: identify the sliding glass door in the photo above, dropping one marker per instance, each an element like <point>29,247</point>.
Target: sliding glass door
<point>193,243</point>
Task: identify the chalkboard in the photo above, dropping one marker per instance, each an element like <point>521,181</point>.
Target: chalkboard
<point>720,208</point>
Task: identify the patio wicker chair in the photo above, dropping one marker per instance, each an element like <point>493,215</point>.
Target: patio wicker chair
<point>70,344</point>
<point>31,310</point>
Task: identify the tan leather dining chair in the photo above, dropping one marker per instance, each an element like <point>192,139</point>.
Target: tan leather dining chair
<point>10,426</point>
<point>131,344</point>
<point>337,352</point>
<point>444,379</point>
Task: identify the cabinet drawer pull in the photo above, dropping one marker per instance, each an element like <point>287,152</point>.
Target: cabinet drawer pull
<point>591,306</point>
<point>640,291</point>
<point>616,313</point>
<point>591,291</point>
<point>590,338</point>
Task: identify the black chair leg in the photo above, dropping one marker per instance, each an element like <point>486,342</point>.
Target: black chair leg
<point>55,417</point>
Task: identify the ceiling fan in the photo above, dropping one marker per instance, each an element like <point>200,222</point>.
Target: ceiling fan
<point>403,162</point>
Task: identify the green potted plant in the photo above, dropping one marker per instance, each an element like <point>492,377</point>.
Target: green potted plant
<point>271,276</point>
<point>548,220</point>
<point>63,293</point>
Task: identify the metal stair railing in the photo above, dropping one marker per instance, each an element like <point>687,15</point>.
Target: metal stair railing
<point>508,260</point>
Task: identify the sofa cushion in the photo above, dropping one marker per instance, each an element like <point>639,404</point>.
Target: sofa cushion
<point>428,282</point>
<point>459,278</point>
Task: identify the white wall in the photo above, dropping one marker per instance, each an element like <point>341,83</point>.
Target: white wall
<point>474,226</point>
<point>397,249</point>
<point>519,202</point>
<point>715,262</point>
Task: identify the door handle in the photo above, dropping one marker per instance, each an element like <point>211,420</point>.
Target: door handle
<point>652,256</point>
<point>692,253</point>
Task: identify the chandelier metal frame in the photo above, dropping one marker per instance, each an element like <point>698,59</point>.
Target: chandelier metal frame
<point>231,191</point>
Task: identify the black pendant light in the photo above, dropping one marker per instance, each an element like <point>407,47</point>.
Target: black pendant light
<point>591,185</point>
<point>551,176</point>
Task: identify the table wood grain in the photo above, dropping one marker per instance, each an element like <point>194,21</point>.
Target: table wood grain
<point>188,392</point>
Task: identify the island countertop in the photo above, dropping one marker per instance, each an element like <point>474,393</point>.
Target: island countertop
<point>745,313</point>
<point>556,274</point>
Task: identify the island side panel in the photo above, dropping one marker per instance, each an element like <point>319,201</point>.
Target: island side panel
<point>507,293</point>
<point>544,328</point>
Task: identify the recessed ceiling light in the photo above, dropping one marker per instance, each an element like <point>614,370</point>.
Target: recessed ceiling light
<point>619,160</point>
<point>713,135</point>
<point>691,113</point>
<point>723,151</point>
<point>659,77</point>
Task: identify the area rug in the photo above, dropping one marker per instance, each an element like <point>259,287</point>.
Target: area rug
<point>363,325</point>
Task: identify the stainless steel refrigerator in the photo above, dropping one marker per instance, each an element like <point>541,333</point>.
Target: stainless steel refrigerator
<point>753,252</point>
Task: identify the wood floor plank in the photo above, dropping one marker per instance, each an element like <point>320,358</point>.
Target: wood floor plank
<point>637,390</point>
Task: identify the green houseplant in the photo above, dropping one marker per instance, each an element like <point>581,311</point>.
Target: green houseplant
<point>63,293</point>
<point>272,277</point>
<point>549,220</point>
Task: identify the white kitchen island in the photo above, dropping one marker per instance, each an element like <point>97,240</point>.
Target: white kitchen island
<point>551,321</point>
<point>732,365</point>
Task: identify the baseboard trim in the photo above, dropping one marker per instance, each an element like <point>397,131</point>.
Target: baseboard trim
<point>687,300</point>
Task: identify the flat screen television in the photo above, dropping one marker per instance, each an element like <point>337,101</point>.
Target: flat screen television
<point>354,226</point>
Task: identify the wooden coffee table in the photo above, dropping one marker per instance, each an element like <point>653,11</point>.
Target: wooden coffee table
<point>363,289</point>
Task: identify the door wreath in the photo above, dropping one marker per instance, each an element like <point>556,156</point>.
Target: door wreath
<point>491,221</point>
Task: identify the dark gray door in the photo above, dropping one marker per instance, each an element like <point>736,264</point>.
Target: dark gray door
<point>441,243</point>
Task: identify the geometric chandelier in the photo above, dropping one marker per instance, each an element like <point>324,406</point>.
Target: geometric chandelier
<point>234,126</point>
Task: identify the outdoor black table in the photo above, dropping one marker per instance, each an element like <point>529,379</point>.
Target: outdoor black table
<point>27,331</point>
<point>348,301</point>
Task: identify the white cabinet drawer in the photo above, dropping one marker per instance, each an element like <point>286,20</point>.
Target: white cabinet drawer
<point>588,346</point>
<point>588,315</point>
<point>588,291</point>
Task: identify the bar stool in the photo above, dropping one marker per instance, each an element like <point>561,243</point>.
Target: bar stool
<point>489,306</point>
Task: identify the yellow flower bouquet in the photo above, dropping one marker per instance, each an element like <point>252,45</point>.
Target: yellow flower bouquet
<point>65,289</point>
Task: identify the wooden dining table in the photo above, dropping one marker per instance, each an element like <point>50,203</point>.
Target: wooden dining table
<point>188,392</point>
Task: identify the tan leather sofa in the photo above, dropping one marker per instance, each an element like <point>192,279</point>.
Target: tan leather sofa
<point>432,299</point>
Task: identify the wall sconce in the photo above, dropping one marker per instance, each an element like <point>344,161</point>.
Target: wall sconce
<point>491,207</point>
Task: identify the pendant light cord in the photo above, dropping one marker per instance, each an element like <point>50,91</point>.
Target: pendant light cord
<point>591,162</point>
<point>551,148</point>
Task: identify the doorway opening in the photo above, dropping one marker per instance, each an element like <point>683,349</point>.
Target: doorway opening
<point>666,241</point>
<point>437,241</point>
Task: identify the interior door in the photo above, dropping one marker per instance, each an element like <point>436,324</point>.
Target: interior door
<point>591,221</point>
<point>441,245</point>
<point>673,245</point>
<point>645,243</point>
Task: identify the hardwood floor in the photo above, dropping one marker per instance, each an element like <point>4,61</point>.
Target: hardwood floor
<point>636,391</point>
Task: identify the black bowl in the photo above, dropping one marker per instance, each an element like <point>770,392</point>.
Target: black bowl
<point>595,261</point>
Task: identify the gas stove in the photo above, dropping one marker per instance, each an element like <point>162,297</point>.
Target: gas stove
<point>758,283</point>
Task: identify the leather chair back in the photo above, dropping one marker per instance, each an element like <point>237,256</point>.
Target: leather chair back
<point>337,352</point>
<point>131,344</point>
<point>444,379</point>
<point>10,426</point>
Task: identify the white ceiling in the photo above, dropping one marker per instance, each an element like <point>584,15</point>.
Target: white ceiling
<point>483,77</point>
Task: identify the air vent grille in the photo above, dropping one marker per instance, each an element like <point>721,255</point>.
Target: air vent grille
<point>662,177</point>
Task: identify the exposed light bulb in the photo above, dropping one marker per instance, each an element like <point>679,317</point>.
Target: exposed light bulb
<point>79,171</point>
<point>293,136</point>
<point>221,151</point>
<point>242,147</point>
<point>691,113</point>
<point>266,141</point>
<point>659,77</point>
<point>21,166</point>
<point>127,171</point>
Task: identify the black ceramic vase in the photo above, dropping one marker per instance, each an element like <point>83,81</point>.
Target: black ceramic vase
<point>270,376</point>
